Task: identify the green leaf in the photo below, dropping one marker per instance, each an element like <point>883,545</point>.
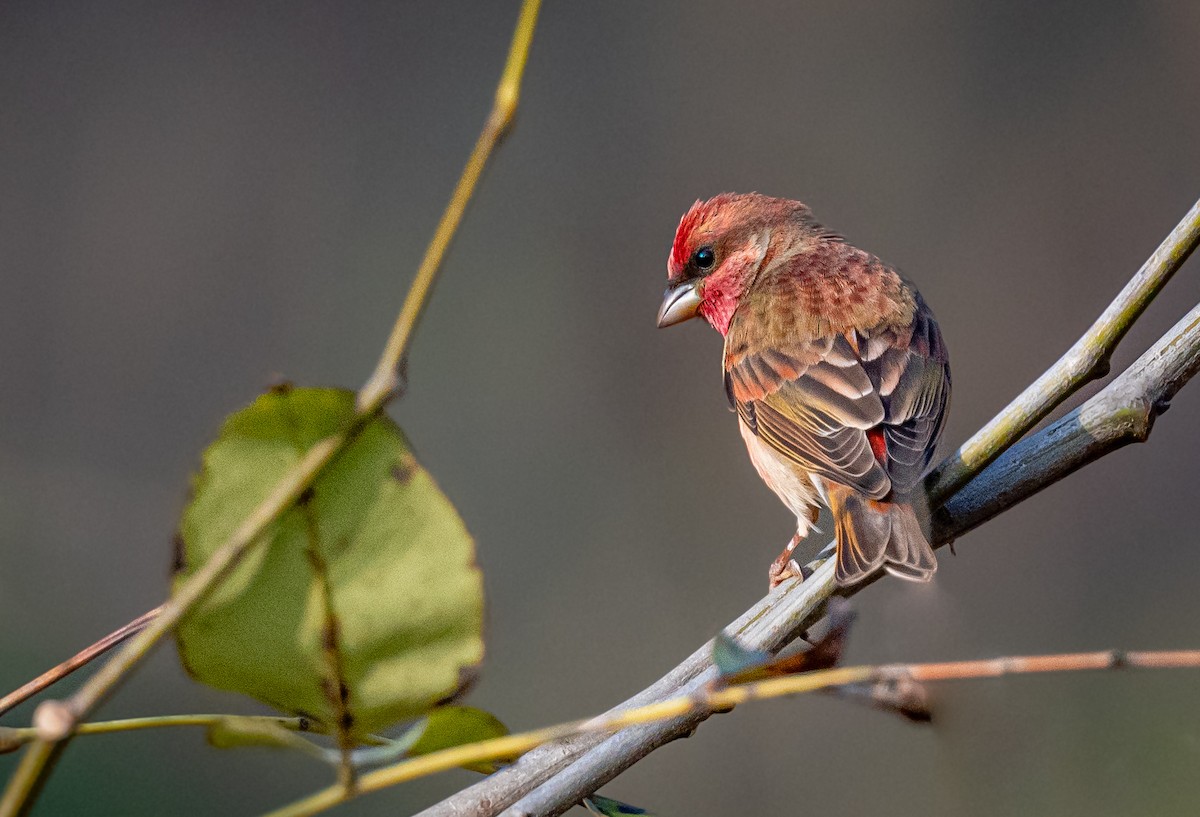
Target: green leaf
<point>363,607</point>
<point>450,726</point>
<point>608,807</point>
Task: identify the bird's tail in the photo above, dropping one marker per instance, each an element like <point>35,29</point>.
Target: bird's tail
<point>872,534</point>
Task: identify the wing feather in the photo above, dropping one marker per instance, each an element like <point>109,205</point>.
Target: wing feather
<point>813,400</point>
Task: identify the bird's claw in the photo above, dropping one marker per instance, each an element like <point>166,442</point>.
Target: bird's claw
<point>782,570</point>
<point>785,567</point>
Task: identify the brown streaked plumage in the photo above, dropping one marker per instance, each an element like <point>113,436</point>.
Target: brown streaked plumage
<point>834,364</point>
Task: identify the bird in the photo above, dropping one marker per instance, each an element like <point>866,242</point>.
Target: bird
<point>835,367</point>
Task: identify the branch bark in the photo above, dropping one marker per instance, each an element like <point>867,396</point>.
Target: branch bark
<point>898,688</point>
<point>1123,413</point>
<point>552,778</point>
<point>1087,360</point>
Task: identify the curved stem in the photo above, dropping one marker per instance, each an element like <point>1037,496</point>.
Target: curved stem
<point>12,738</point>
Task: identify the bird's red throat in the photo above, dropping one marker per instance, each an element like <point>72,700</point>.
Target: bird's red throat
<point>720,302</point>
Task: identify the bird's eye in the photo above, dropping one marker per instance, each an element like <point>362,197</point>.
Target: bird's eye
<point>704,257</point>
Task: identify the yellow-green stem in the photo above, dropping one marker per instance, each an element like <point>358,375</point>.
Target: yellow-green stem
<point>716,698</point>
<point>1085,361</point>
<point>12,737</point>
<point>23,785</point>
<point>383,381</point>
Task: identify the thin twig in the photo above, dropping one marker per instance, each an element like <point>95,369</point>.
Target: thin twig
<point>713,698</point>
<point>79,659</point>
<point>56,721</point>
<point>1084,362</point>
<point>579,765</point>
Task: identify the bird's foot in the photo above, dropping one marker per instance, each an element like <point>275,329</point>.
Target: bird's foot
<point>785,567</point>
<point>780,572</point>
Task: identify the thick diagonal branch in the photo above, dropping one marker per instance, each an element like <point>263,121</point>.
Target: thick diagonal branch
<point>1122,413</point>
<point>552,778</point>
<point>1087,360</point>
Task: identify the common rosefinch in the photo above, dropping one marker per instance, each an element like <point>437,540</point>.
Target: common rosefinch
<point>834,364</point>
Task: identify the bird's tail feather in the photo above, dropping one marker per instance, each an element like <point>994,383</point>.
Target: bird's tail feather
<point>872,534</point>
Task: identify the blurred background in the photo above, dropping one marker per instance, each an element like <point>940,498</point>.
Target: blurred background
<point>199,198</point>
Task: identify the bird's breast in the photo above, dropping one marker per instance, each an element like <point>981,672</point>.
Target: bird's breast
<point>791,482</point>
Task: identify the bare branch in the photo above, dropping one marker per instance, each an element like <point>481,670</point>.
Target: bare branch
<point>1122,413</point>
<point>551,778</point>
<point>722,698</point>
<point>1087,360</point>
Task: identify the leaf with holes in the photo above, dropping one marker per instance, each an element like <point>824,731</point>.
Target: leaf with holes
<point>363,606</point>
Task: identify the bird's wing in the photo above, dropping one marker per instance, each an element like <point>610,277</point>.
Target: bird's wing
<point>812,402</point>
<point>910,371</point>
<point>819,401</point>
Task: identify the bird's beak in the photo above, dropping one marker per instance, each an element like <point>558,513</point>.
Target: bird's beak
<point>680,302</point>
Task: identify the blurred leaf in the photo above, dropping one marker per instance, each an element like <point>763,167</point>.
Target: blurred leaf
<point>731,658</point>
<point>827,650</point>
<point>234,731</point>
<point>364,607</point>
<point>389,751</point>
<point>607,807</point>
<point>823,654</point>
<point>739,665</point>
<point>443,728</point>
<point>450,726</point>
<point>900,696</point>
